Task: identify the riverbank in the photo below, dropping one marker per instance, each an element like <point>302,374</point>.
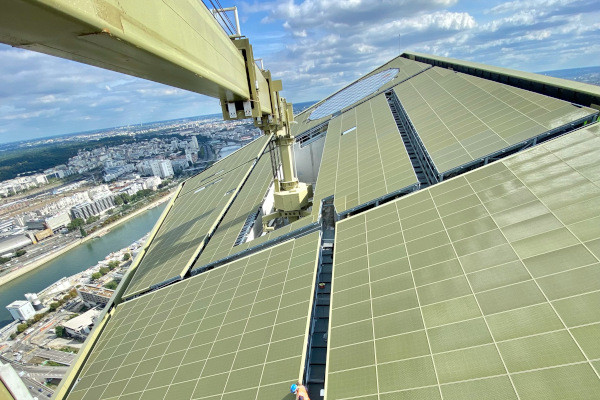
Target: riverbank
<point>58,252</point>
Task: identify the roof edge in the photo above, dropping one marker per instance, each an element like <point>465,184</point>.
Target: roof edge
<point>572,91</point>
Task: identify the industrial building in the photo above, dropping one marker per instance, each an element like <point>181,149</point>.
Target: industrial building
<point>21,310</point>
<point>80,326</point>
<point>94,207</point>
<point>34,300</point>
<point>58,221</point>
<point>94,296</point>
<point>10,244</point>
<point>452,252</point>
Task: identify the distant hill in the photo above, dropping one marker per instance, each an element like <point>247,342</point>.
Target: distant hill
<point>586,75</point>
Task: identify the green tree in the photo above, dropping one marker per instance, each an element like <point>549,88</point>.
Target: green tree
<point>113,264</point>
<point>125,197</point>
<point>60,331</point>
<point>38,317</point>
<point>118,200</point>
<point>104,270</point>
<point>126,257</point>
<point>19,253</point>
<point>92,219</point>
<point>112,285</point>
<point>82,232</point>
<point>76,223</point>
<point>22,327</point>
<point>96,275</point>
<point>54,306</point>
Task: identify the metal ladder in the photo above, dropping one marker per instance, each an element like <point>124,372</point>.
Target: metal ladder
<point>422,165</point>
<point>250,220</point>
<point>314,373</point>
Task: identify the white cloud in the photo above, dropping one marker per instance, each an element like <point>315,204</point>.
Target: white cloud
<point>49,96</point>
<point>32,114</point>
<point>342,40</point>
<point>513,6</point>
<point>310,13</point>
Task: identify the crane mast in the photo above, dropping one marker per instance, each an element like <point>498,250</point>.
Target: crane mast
<point>291,197</point>
<point>175,42</point>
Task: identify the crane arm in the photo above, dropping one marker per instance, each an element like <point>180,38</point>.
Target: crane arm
<point>175,42</point>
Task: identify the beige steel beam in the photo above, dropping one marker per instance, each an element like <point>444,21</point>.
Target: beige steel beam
<point>175,42</point>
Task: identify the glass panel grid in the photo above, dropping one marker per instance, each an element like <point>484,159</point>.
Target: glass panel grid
<point>196,209</point>
<point>367,163</point>
<point>461,118</point>
<point>406,68</point>
<point>201,337</point>
<point>486,311</point>
<point>249,199</point>
<point>353,93</point>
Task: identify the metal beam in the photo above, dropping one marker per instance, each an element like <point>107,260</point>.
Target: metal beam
<point>175,42</point>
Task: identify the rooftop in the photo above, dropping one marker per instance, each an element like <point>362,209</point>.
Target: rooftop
<point>84,320</point>
<point>452,252</point>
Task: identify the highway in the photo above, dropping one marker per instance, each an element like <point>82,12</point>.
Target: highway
<point>55,355</point>
<point>34,376</point>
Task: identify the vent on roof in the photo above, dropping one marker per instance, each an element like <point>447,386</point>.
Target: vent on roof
<point>210,184</point>
<point>349,130</point>
<point>210,176</point>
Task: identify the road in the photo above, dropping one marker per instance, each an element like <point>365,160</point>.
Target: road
<point>55,355</point>
<point>34,376</point>
<point>37,389</point>
<point>42,373</point>
<point>40,250</point>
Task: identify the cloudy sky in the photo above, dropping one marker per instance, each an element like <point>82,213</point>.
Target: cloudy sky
<point>315,46</point>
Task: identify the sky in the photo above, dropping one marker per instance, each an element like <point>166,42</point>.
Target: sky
<point>315,46</point>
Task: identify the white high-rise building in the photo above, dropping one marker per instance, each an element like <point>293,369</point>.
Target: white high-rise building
<point>160,168</point>
<point>191,155</point>
<point>194,144</point>
<point>21,310</point>
<point>165,168</point>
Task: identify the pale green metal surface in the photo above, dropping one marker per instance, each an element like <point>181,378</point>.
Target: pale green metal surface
<point>548,81</point>
<point>232,162</point>
<point>301,223</point>
<point>365,163</point>
<point>193,217</point>
<point>236,331</point>
<point>485,286</point>
<point>460,118</point>
<point>406,68</point>
<point>249,199</point>
<point>175,42</point>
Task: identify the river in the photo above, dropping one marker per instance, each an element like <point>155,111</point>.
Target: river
<point>227,150</point>
<point>76,260</point>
